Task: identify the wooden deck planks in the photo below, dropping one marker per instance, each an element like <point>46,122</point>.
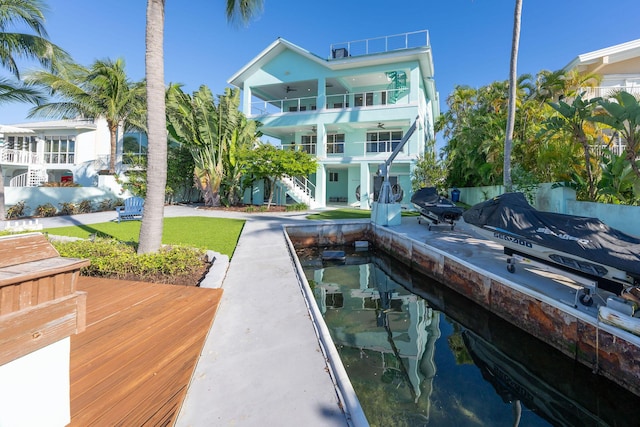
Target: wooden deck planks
<point>134,362</point>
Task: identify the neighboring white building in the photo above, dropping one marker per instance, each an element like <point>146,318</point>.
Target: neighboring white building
<point>618,65</point>
<point>350,110</point>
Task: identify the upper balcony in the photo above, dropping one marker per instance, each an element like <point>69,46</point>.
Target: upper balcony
<point>380,44</point>
<point>10,156</point>
<point>609,91</point>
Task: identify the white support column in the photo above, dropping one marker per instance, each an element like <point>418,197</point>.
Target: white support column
<point>322,94</point>
<point>321,145</point>
<point>366,198</point>
<point>321,186</point>
<point>246,101</point>
<point>414,85</point>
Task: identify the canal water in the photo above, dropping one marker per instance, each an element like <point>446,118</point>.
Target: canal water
<point>420,354</point>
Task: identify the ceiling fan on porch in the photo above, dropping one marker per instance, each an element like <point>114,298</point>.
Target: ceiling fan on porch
<point>291,89</point>
<point>380,125</point>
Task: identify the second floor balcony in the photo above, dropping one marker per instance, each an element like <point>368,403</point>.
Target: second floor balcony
<point>331,102</point>
<point>10,156</point>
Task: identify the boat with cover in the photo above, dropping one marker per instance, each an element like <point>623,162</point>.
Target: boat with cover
<point>435,208</point>
<point>581,245</point>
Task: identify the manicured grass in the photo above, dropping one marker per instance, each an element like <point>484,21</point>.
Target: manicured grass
<point>217,234</point>
<point>348,213</point>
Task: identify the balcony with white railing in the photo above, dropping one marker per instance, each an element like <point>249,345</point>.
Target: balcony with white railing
<point>609,91</point>
<point>9,156</point>
<point>357,149</point>
<point>333,102</point>
<point>380,44</point>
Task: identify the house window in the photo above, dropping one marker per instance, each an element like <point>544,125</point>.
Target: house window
<point>383,141</point>
<point>333,176</point>
<point>335,143</point>
<point>134,148</point>
<point>361,99</point>
<point>309,144</point>
<point>21,143</point>
<point>60,149</point>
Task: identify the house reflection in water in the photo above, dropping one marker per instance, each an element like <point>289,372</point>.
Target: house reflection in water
<point>391,331</point>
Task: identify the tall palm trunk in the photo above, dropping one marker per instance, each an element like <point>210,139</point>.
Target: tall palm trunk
<point>513,83</point>
<point>152,222</point>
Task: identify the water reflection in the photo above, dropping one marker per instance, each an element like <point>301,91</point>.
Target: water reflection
<point>419,354</point>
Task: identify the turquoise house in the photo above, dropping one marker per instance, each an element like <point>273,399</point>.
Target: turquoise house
<point>350,110</point>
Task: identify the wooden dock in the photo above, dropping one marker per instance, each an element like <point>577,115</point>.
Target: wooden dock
<point>133,363</point>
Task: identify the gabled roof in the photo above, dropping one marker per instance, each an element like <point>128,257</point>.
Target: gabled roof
<point>421,54</point>
<point>595,61</point>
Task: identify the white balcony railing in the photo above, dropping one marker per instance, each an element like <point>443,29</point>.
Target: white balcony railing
<point>18,157</point>
<point>340,101</point>
<point>609,91</point>
<point>380,44</point>
<point>375,149</point>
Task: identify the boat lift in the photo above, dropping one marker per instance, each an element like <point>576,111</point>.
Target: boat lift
<point>385,210</point>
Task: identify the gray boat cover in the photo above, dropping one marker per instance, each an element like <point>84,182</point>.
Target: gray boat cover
<point>427,198</point>
<point>586,237</point>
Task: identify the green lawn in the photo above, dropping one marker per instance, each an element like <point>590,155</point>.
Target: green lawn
<point>217,234</point>
<point>349,213</point>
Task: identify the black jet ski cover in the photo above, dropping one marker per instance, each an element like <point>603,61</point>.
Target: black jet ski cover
<point>585,237</point>
<point>428,198</point>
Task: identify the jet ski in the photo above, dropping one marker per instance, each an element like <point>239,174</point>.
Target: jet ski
<point>582,245</point>
<point>438,210</point>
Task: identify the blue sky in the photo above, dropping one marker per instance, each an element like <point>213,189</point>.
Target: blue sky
<point>470,39</point>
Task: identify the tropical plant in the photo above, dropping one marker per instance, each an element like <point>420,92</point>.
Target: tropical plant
<point>574,121</point>
<point>104,90</point>
<point>623,115</point>
<point>27,14</point>
<point>214,133</point>
<point>429,171</point>
<point>268,162</point>
<point>151,228</point>
<point>618,184</point>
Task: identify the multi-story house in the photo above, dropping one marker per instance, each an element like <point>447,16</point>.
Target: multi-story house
<point>350,110</point>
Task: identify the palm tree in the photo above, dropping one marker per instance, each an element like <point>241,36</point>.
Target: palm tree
<point>152,222</point>
<point>101,91</point>
<point>28,13</point>
<point>511,114</point>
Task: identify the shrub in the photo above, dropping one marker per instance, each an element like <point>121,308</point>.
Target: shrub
<point>114,259</point>
<point>105,205</point>
<point>17,210</point>
<point>297,207</point>
<point>68,208</point>
<point>85,206</point>
<point>60,184</point>
<point>46,210</point>
<point>250,209</point>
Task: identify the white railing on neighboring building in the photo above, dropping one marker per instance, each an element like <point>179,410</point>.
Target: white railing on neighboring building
<point>379,44</point>
<point>609,91</point>
<point>18,157</point>
<point>33,178</point>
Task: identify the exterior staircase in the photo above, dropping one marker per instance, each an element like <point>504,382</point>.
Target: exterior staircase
<point>300,189</point>
<point>34,177</point>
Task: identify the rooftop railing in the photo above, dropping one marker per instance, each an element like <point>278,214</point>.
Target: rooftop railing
<point>380,44</point>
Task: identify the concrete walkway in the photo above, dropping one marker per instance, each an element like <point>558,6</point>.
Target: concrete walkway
<point>262,364</point>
